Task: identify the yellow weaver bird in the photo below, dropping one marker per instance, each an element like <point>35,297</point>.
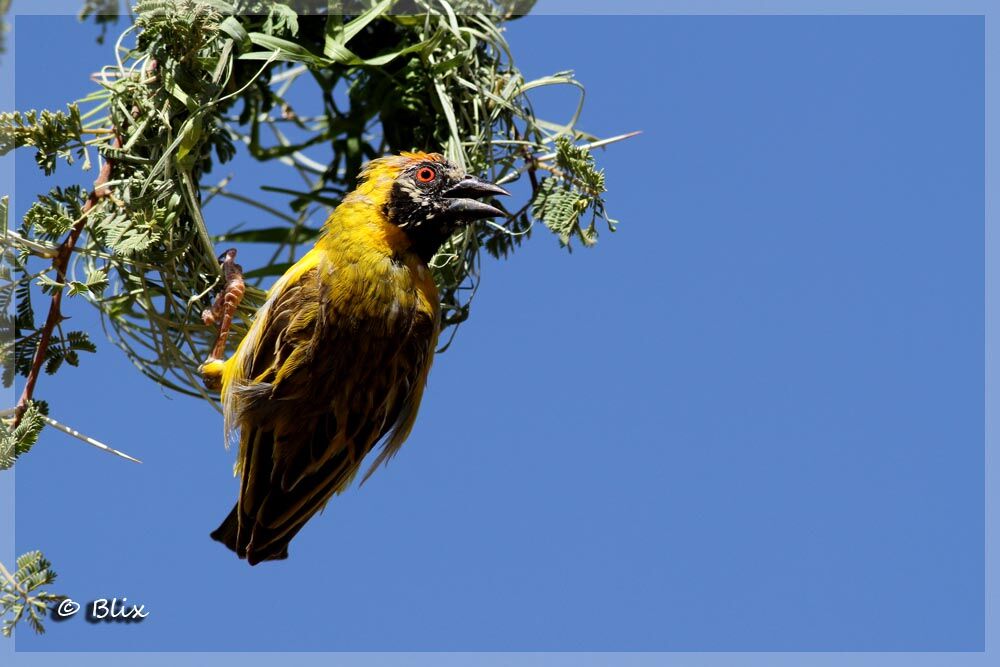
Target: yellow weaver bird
<point>336,359</point>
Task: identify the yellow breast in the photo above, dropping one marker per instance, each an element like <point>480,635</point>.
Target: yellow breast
<point>371,270</point>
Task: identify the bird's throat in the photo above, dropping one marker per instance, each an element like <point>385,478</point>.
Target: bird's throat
<point>426,240</point>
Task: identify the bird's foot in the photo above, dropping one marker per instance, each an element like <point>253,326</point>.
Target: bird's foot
<point>221,314</point>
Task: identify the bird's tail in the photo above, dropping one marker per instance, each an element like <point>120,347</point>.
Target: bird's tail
<point>228,531</point>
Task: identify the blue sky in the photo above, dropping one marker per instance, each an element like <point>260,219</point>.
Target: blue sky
<point>752,419</point>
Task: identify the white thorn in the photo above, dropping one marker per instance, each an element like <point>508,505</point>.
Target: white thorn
<point>87,439</point>
<point>549,156</point>
<point>595,144</point>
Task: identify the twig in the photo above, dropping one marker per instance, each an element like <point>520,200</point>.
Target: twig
<point>59,264</point>
<point>531,164</point>
<point>35,248</point>
<point>13,582</point>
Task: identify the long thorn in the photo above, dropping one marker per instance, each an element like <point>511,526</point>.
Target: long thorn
<point>532,163</point>
<point>87,439</point>
<point>595,144</point>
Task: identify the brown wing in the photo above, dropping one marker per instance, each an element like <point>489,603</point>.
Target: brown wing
<point>324,387</point>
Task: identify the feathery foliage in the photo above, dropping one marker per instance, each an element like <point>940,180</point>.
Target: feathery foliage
<point>317,88</point>
<point>193,82</point>
<point>15,441</point>
<point>54,135</point>
<point>21,596</point>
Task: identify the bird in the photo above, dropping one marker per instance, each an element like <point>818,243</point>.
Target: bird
<point>335,361</point>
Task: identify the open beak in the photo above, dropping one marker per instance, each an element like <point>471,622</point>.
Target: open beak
<point>465,204</point>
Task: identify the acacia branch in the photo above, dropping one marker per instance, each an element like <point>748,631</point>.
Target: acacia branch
<point>60,264</point>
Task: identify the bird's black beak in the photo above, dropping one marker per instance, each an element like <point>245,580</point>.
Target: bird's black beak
<point>464,193</point>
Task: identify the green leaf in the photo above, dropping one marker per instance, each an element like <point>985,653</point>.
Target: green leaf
<point>97,281</point>
<point>558,207</point>
<point>282,19</point>
<point>54,134</point>
<point>270,235</point>
<point>191,136</point>
<point>79,340</point>
<point>76,288</point>
<point>18,441</point>
<point>577,186</point>
<point>55,213</point>
<point>338,34</point>
<point>232,27</point>
<point>282,49</point>
<point>20,598</point>
<point>48,284</point>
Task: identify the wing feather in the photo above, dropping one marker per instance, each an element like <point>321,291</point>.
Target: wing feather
<point>317,389</point>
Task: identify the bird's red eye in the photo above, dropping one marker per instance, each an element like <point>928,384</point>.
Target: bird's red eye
<point>426,175</point>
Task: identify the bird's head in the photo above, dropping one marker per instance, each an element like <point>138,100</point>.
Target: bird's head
<point>426,196</point>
